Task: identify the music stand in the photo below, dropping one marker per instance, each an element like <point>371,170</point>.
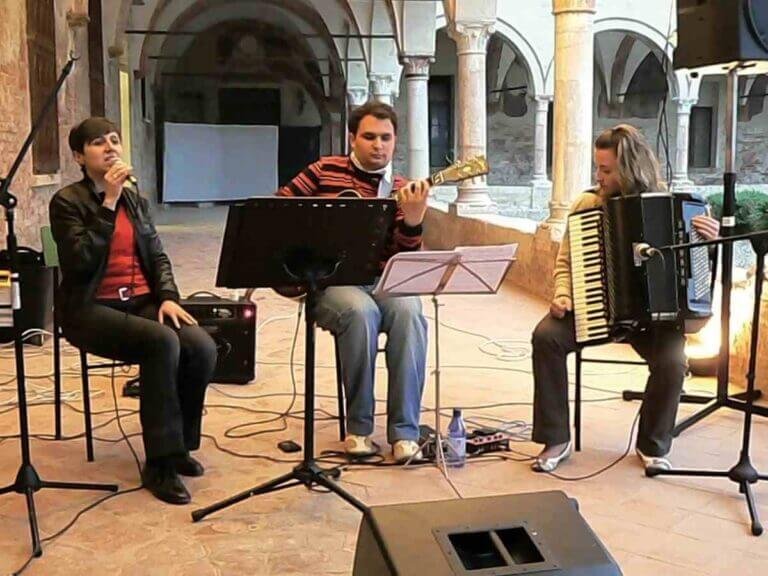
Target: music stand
<point>313,243</point>
<point>465,270</point>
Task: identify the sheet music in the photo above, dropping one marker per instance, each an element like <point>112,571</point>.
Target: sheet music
<point>482,267</point>
<point>414,272</point>
<point>465,270</point>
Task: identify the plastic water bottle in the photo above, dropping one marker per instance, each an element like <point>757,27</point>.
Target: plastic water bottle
<point>456,455</point>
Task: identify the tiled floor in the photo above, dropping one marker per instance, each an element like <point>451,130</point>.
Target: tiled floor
<point>651,526</point>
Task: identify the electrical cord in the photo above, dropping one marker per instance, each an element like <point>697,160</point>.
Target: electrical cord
<point>607,466</point>
<point>101,500</point>
<point>517,431</point>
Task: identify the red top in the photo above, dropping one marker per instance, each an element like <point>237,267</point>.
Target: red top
<point>123,267</point>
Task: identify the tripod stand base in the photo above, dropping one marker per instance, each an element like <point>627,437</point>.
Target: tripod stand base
<point>630,395</point>
<point>307,473</point>
<point>743,474</point>
<point>735,402</point>
<point>28,482</point>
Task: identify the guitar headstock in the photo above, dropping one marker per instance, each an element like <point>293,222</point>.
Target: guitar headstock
<point>462,170</point>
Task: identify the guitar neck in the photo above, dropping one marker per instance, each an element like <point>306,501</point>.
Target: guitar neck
<point>460,171</point>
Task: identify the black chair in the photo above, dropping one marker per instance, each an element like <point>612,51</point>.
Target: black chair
<point>51,258</point>
<point>627,395</point>
<point>577,392</point>
<point>340,398</point>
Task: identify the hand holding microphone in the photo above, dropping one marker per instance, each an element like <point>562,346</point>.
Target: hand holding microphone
<point>114,181</point>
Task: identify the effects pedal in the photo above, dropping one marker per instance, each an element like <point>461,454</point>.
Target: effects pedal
<point>485,440</point>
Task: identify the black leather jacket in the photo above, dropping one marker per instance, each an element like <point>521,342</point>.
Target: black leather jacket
<point>83,229</point>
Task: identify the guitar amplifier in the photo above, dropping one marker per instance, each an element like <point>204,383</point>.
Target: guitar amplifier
<point>232,325</point>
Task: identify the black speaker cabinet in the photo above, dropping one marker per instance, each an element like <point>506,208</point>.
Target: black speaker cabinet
<point>720,31</point>
<point>232,325</point>
<point>540,533</point>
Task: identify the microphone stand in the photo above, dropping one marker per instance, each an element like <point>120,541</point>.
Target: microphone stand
<point>27,479</point>
<point>307,270</point>
<point>743,472</point>
<point>728,222</point>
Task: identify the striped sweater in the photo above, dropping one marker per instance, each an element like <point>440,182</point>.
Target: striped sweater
<point>331,175</point>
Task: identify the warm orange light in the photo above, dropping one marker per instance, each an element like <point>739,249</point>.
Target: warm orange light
<point>706,342</point>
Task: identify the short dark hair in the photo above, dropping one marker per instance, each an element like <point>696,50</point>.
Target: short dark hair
<point>373,108</point>
<point>88,130</point>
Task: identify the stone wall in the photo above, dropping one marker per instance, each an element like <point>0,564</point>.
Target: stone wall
<point>34,192</point>
<point>537,245</point>
<point>14,98</point>
<point>510,148</point>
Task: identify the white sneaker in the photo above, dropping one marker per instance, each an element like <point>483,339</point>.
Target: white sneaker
<point>404,450</point>
<point>654,462</point>
<point>549,464</point>
<point>357,446</point>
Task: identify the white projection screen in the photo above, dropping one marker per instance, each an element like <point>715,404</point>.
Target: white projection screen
<point>219,163</point>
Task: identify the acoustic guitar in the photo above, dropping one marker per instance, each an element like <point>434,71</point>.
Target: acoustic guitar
<point>456,172</point>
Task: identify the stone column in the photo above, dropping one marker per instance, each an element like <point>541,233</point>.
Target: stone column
<point>471,47</point>
<point>337,134</point>
<point>541,185</point>
<point>112,82</point>
<point>416,78</point>
<point>383,87</point>
<point>680,181</point>
<point>574,69</point>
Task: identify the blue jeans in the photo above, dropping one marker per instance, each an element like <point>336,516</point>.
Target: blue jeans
<point>356,318</point>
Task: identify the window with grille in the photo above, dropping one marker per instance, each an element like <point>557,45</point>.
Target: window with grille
<point>701,137</point>
<point>440,122</point>
<point>96,58</point>
<point>41,45</point>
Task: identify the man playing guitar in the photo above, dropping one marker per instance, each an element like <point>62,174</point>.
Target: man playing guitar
<point>352,313</point>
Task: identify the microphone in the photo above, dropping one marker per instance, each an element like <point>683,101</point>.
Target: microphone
<point>130,178</point>
<point>643,251</point>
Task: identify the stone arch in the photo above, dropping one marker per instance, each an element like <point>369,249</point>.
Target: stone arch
<point>652,37</point>
<point>537,70</point>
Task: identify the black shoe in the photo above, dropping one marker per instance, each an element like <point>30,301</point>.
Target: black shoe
<point>165,484</point>
<point>188,466</point>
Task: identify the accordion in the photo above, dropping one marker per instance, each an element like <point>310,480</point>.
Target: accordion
<point>615,288</point>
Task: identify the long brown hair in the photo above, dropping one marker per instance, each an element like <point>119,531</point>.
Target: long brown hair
<point>638,168</point>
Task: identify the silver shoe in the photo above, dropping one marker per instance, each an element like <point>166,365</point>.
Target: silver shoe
<point>549,464</point>
<point>656,462</point>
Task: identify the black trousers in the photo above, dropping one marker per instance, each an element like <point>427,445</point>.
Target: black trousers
<point>175,367</point>
<point>662,346</point>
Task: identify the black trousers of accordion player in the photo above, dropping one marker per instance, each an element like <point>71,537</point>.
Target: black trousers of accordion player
<point>175,366</point>
<point>661,346</point>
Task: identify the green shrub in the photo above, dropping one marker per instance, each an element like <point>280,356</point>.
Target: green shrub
<point>751,210</point>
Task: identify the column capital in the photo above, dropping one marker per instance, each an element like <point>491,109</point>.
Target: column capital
<point>115,51</point>
<point>77,19</point>
<point>688,84</point>
<point>684,104</point>
<point>357,95</point>
<point>416,65</point>
<point>565,6</point>
<point>543,101</point>
<point>382,84</point>
<point>471,37</point>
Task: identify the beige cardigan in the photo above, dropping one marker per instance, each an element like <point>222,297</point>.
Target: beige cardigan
<point>562,275</point>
